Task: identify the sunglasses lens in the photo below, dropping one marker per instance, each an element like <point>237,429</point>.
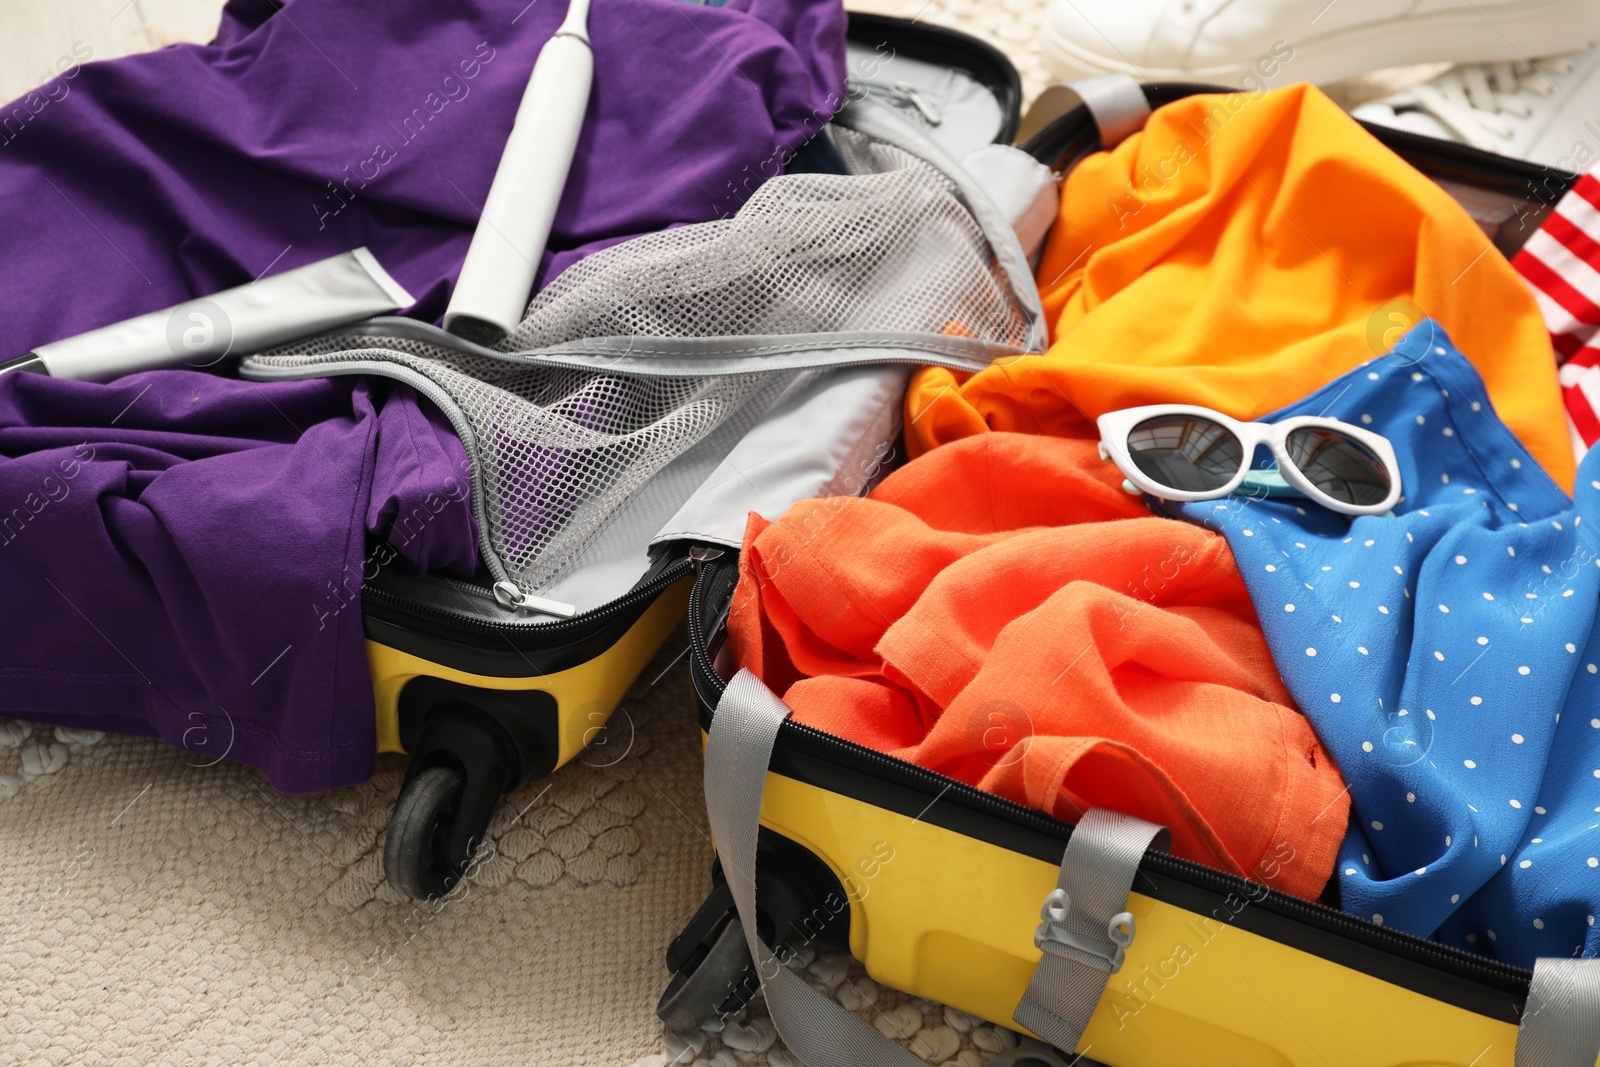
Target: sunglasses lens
<point>1340,466</point>
<point>1190,453</point>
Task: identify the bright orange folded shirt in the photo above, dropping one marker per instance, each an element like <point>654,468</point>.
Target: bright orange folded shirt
<point>1239,253</point>
<point>999,610</point>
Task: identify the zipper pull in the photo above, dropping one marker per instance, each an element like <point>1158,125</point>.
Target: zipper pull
<point>909,93</point>
<point>507,595</point>
<point>703,554</point>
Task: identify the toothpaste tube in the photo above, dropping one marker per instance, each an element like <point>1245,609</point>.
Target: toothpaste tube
<point>319,296</point>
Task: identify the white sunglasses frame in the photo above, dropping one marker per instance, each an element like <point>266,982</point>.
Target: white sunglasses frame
<point>1115,427</point>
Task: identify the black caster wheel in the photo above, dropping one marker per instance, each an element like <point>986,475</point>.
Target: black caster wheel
<point>416,855</point>
<point>798,901</point>
<point>707,986</point>
<point>461,764</point>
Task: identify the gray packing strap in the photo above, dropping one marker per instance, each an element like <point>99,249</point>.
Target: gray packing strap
<point>1085,927</point>
<point>1561,1022</point>
<point>1117,104</point>
<point>738,751</point>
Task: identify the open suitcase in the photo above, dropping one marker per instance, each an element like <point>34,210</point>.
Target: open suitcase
<point>632,414</point>
<point>937,887</point>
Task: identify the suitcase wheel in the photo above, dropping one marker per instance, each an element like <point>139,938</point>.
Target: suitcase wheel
<point>465,760</point>
<point>797,900</point>
<point>416,854</point>
<point>717,981</point>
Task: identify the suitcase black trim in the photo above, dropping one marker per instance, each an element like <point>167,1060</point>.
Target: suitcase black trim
<point>1484,986</point>
<point>1072,135</point>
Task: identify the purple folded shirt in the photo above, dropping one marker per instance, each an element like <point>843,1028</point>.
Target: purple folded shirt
<point>182,556</point>
<point>181,552</point>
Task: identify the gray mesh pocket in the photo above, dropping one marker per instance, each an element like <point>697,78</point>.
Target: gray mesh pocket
<point>621,364</point>
<point>873,256</point>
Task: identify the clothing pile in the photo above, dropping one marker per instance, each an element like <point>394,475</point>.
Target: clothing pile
<point>1392,711</point>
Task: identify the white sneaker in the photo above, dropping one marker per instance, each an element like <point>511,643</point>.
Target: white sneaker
<point>1545,110</point>
<point>1255,43</point>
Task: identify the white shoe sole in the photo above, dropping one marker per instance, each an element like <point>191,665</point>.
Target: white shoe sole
<point>1479,34</point>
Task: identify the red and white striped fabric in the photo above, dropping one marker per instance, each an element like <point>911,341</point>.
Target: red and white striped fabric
<point>1562,263</point>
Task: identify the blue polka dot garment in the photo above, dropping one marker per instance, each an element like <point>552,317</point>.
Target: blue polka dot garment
<point>1445,656</point>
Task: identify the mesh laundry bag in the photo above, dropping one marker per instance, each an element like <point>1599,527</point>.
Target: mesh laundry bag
<point>640,351</point>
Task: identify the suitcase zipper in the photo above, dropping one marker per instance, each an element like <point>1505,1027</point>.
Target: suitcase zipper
<point>902,95</point>
<point>508,595</point>
<point>709,686</point>
<point>979,59</point>
<point>640,594</point>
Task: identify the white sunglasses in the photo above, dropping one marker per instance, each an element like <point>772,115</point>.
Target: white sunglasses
<point>1186,453</point>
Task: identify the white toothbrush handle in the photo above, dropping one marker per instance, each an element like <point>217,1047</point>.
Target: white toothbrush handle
<point>492,292</point>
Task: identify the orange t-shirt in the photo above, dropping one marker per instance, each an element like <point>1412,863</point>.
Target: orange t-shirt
<point>1000,611</point>
<point>1239,253</point>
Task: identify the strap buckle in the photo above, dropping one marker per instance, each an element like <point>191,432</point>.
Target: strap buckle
<point>1056,937</point>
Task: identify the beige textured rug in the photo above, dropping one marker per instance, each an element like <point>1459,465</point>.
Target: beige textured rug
<point>158,912</point>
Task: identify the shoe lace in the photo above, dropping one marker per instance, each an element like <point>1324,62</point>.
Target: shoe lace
<point>1489,100</point>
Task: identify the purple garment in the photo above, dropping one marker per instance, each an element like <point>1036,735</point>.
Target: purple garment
<point>181,556</point>
<point>196,575</point>
<point>155,178</point>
